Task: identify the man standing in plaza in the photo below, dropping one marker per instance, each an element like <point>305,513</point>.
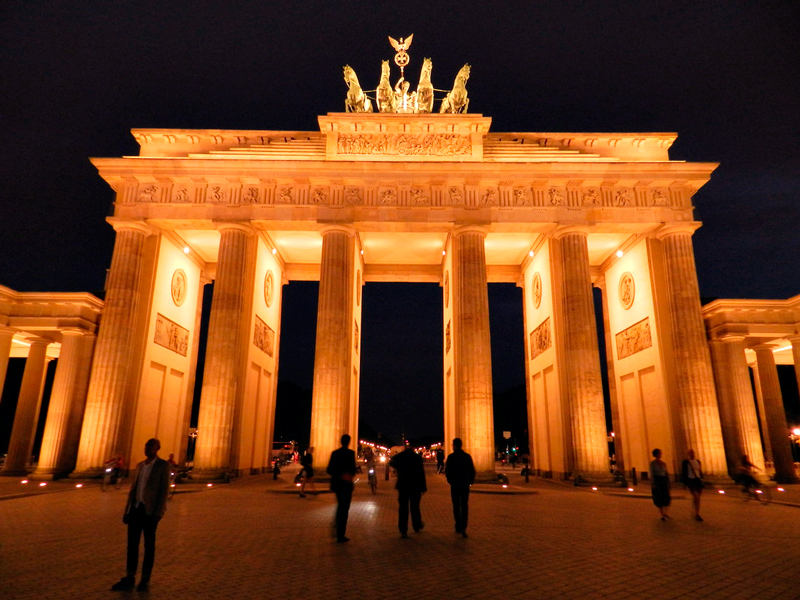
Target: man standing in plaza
<point>460,473</point>
<point>410,487</point>
<point>147,503</point>
<point>342,469</point>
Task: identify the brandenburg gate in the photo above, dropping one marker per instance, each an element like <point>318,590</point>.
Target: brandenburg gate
<point>407,194</point>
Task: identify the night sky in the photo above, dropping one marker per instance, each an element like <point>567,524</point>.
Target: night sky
<point>77,76</point>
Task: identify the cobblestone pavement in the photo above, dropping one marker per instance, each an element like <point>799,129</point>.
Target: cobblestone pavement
<point>257,539</point>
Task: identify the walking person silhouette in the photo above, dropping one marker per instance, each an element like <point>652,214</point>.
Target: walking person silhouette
<point>410,487</point>
<point>342,469</point>
<point>460,473</point>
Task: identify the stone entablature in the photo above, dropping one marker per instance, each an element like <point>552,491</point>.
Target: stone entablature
<point>43,314</point>
<point>755,320</point>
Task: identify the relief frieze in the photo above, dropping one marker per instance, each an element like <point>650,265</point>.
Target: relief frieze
<point>405,144</point>
<point>634,339</point>
<point>541,339</point>
<point>171,335</point>
<point>264,337</point>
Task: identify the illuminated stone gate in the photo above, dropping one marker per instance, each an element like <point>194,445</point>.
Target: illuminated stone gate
<point>416,198</point>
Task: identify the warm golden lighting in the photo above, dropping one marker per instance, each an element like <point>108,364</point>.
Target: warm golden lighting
<point>42,484</point>
<point>78,485</point>
<point>24,481</point>
<point>620,253</point>
<point>186,249</point>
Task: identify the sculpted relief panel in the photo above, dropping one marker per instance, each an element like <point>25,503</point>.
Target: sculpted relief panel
<point>541,339</point>
<point>171,335</point>
<point>634,339</point>
<point>264,337</point>
<point>404,144</point>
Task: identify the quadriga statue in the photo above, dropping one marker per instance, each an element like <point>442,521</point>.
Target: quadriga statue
<point>356,100</point>
<point>456,100</point>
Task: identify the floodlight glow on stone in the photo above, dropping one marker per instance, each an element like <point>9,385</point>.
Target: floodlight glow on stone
<point>620,253</point>
<point>274,250</point>
<point>186,249</point>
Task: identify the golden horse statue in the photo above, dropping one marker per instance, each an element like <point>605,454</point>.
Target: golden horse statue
<point>456,100</point>
<point>384,95</point>
<point>356,100</point>
<point>425,88</point>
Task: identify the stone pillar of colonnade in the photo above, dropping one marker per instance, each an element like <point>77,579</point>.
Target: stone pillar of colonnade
<point>108,383</point>
<point>696,393</point>
<point>222,369</point>
<point>57,455</point>
<point>616,419</point>
<point>762,413</point>
<point>582,380</point>
<point>27,413</point>
<point>472,349</point>
<point>778,430</point>
<point>737,407</point>
<point>6,337</point>
<point>330,404</point>
<point>794,340</point>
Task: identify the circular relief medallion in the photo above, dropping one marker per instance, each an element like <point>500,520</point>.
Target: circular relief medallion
<point>446,289</point>
<point>627,290</point>
<point>358,288</point>
<point>536,289</point>
<point>178,287</point>
<point>269,285</point>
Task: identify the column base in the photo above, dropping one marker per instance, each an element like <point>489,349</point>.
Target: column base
<point>212,476</point>
<point>14,473</point>
<point>94,473</point>
<point>48,475</point>
<point>491,477</point>
<point>787,479</point>
<point>594,480</point>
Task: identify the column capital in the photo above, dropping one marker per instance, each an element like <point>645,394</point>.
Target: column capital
<point>342,227</point>
<point>6,330</point>
<point>729,337</point>
<point>235,225</point>
<point>674,228</point>
<point>121,224</point>
<point>794,340</point>
<point>72,332</point>
<point>37,341</point>
<point>763,348</point>
<point>563,230</point>
<point>459,229</point>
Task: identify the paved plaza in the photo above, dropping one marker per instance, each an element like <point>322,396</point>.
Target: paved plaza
<point>256,538</point>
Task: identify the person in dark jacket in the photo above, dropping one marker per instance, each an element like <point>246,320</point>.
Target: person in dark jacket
<point>342,469</point>
<point>460,473</point>
<point>410,487</point>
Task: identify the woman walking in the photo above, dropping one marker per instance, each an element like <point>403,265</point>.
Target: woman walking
<point>307,462</point>
<point>659,484</point>
<point>692,478</point>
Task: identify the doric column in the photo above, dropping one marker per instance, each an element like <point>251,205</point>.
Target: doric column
<point>584,388</point>
<point>53,458</point>
<point>762,413</point>
<point>696,394</point>
<point>794,340</point>
<point>333,355</point>
<point>223,350</point>
<point>737,407</point>
<point>27,414</point>
<point>109,378</point>
<point>472,347</point>
<point>776,415</point>
<point>616,418</point>
<point>6,337</point>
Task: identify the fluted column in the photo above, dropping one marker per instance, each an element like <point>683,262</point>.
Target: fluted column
<point>223,350</point>
<point>333,355</point>
<point>111,366</point>
<point>6,337</point>
<point>776,415</point>
<point>696,393</point>
<point>472,347</point>
<point>737,407</point>
<point>794,340</point>
<point>762,413</point>
<point>27,414</point>
<point>53,459</point>
<point>616,419</point>
<point>584,387</point>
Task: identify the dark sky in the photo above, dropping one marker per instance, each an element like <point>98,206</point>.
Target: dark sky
<point>77,76</point>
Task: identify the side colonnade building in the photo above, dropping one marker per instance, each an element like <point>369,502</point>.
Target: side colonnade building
<point>413,198</point>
